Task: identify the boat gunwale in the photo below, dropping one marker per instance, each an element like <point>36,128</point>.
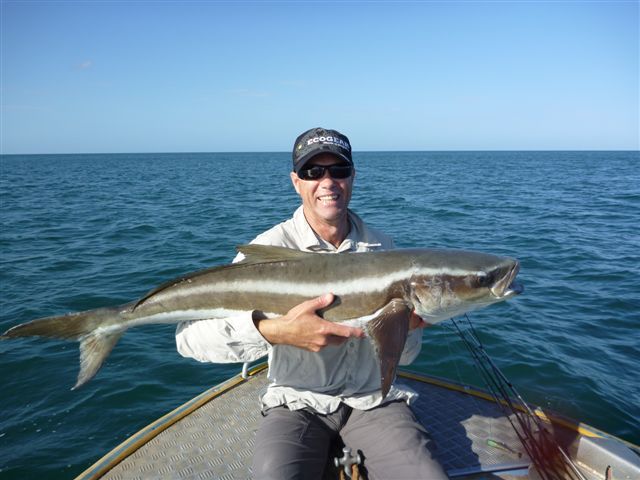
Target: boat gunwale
<point>546,415</point>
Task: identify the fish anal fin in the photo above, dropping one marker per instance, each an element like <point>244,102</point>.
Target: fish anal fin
<point>388,332</point>
<point>94,349</point>
<point>255,253</point>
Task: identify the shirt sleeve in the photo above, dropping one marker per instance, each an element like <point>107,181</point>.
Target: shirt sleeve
<point>228,340</point>
<point>223,340</point>
<point>412,347</point>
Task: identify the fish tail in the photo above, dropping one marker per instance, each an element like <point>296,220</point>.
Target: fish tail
<point>98,331</point>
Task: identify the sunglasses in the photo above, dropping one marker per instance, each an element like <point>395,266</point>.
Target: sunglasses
<point>316,172</point>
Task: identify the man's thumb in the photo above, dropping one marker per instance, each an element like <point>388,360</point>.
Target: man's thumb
<point>323,301</point>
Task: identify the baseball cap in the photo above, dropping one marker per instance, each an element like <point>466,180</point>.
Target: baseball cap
<point>320,140</point>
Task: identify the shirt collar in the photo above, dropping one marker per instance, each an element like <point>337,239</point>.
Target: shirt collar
<point>312,242</point>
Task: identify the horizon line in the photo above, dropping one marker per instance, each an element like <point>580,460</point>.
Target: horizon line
<point>354,152</point>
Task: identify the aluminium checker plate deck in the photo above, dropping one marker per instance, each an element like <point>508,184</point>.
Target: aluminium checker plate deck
<point>215,441</point>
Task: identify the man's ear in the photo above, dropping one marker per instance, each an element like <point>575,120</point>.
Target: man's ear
<point>295,179</point>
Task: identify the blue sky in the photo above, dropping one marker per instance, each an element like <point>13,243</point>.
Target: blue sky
<point>120,76</point>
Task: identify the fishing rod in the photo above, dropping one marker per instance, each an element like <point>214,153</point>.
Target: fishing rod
<point>548,457</point>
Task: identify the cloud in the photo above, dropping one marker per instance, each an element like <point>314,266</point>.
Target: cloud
<point>86,65</point>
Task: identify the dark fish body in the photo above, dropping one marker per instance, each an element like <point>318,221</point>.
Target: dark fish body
<point>378,290</point>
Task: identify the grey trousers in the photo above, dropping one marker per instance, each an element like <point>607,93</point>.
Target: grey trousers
<point>394,445</point>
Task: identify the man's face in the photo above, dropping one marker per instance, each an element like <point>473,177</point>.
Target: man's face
<point>326,199</point>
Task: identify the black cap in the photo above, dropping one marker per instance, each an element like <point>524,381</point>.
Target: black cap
<point>320,140</point>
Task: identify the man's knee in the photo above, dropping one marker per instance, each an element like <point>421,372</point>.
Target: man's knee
<point>289,444</point>
<point>405,450</point>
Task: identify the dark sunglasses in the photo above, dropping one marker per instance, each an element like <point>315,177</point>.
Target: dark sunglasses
<point>316,172</point>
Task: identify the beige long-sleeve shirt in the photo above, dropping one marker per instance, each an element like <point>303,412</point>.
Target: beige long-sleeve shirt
<point>346,373</point>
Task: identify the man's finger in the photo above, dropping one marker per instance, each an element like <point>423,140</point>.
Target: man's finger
<point>416,321</point>
<point>319,302</point>
<point>344,331</point>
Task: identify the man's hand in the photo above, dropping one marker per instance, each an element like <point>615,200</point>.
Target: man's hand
<point>301,327</point>
<point>417,322</point>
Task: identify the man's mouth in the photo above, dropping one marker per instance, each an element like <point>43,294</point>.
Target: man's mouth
<point>325,199</point>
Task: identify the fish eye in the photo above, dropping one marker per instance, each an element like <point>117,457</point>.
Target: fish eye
<point>485,279</point>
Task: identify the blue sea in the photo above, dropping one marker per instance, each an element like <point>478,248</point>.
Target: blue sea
<point>84,231</point>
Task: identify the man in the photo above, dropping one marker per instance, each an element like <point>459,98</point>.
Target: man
<point>324,377</point>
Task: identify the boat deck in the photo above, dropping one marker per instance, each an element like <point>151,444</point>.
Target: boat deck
<point>211,437</point>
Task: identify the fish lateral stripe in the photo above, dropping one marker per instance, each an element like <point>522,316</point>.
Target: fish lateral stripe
<point>310,289</point>
<point>176,316</point>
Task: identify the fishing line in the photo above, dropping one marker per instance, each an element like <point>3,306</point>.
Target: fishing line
<point>548,457</point>
<point>499,389</point>
<point>461,381</point>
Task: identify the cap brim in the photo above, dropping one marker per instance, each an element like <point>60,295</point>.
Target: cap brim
<point>301,163</point>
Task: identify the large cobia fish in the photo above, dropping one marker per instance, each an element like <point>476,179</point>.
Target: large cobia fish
<point>378,290</point>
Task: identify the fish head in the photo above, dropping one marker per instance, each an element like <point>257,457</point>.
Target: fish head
<point>451,283</point>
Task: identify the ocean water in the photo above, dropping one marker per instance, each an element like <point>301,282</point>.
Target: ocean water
<point>84,231</point>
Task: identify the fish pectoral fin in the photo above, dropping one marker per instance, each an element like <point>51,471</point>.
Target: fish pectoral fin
<point>94,349</point>
<point>388,331</point>
<point>255,253</point>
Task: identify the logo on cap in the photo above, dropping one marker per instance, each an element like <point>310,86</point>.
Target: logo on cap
<point>329,140</point>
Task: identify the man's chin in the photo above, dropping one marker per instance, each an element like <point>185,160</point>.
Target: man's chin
<point>332,209</point>
<point>331,214</point>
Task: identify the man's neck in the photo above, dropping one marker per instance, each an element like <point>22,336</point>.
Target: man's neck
<point>334,233</point>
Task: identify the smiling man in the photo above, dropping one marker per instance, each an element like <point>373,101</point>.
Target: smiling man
<point>325,197</point>
<point>324,378</point>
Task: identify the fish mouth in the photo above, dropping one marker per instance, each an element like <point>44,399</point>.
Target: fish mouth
<point>507,286</point>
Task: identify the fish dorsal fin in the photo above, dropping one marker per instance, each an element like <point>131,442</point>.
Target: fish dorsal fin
<point>255,253</point>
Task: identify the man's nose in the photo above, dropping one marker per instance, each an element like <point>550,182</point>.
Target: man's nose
<point>326,177</point>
